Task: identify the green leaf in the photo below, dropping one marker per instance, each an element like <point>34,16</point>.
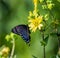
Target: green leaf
<point>16,36</point>
<point>34,56</point>
<point>0,56</point>
<point>42,43</point>
<point>54,56</point>
<point>58,0</point>
<point>45,41</point>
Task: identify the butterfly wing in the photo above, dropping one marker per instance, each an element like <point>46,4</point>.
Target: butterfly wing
<point>22,30</point>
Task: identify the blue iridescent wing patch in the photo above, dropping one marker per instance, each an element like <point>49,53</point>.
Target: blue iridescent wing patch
<point>22,30</point>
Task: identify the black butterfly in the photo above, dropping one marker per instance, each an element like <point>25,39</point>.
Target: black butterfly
<point>22,30</point>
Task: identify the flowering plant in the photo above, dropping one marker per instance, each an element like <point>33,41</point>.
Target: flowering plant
<point>40,29</point>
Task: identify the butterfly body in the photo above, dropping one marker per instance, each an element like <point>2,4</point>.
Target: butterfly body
<point>22,30</point>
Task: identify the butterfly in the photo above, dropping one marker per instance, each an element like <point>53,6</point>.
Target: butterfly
<point>23,31</point>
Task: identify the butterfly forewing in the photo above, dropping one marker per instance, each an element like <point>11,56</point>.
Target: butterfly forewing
<point>23,31</point>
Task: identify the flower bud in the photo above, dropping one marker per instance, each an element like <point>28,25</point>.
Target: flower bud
<point>5,51</point>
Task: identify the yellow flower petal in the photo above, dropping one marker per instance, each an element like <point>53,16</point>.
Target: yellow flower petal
<point>35,1</point>
<point>35,23</point>
<point>39,27</point>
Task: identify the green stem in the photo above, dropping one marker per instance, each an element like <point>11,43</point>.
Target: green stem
<point>44,51</point>
<point>58,44</point>
<point>44,45</point>
<point>13,48</point>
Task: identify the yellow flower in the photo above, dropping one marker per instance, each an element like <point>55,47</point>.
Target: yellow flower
<point>41,1</point>
<point>35,2</point>
<point>35,13</point>
<point>30,15</point>
<point>35,23</point>
<point>50,6</point>
<point>5,51</point>
<point>35,5</point>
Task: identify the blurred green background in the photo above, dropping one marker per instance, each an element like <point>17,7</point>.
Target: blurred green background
<point>15,12</point>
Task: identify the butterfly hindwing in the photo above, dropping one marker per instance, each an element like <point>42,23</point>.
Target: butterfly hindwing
<point>22,30</point>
